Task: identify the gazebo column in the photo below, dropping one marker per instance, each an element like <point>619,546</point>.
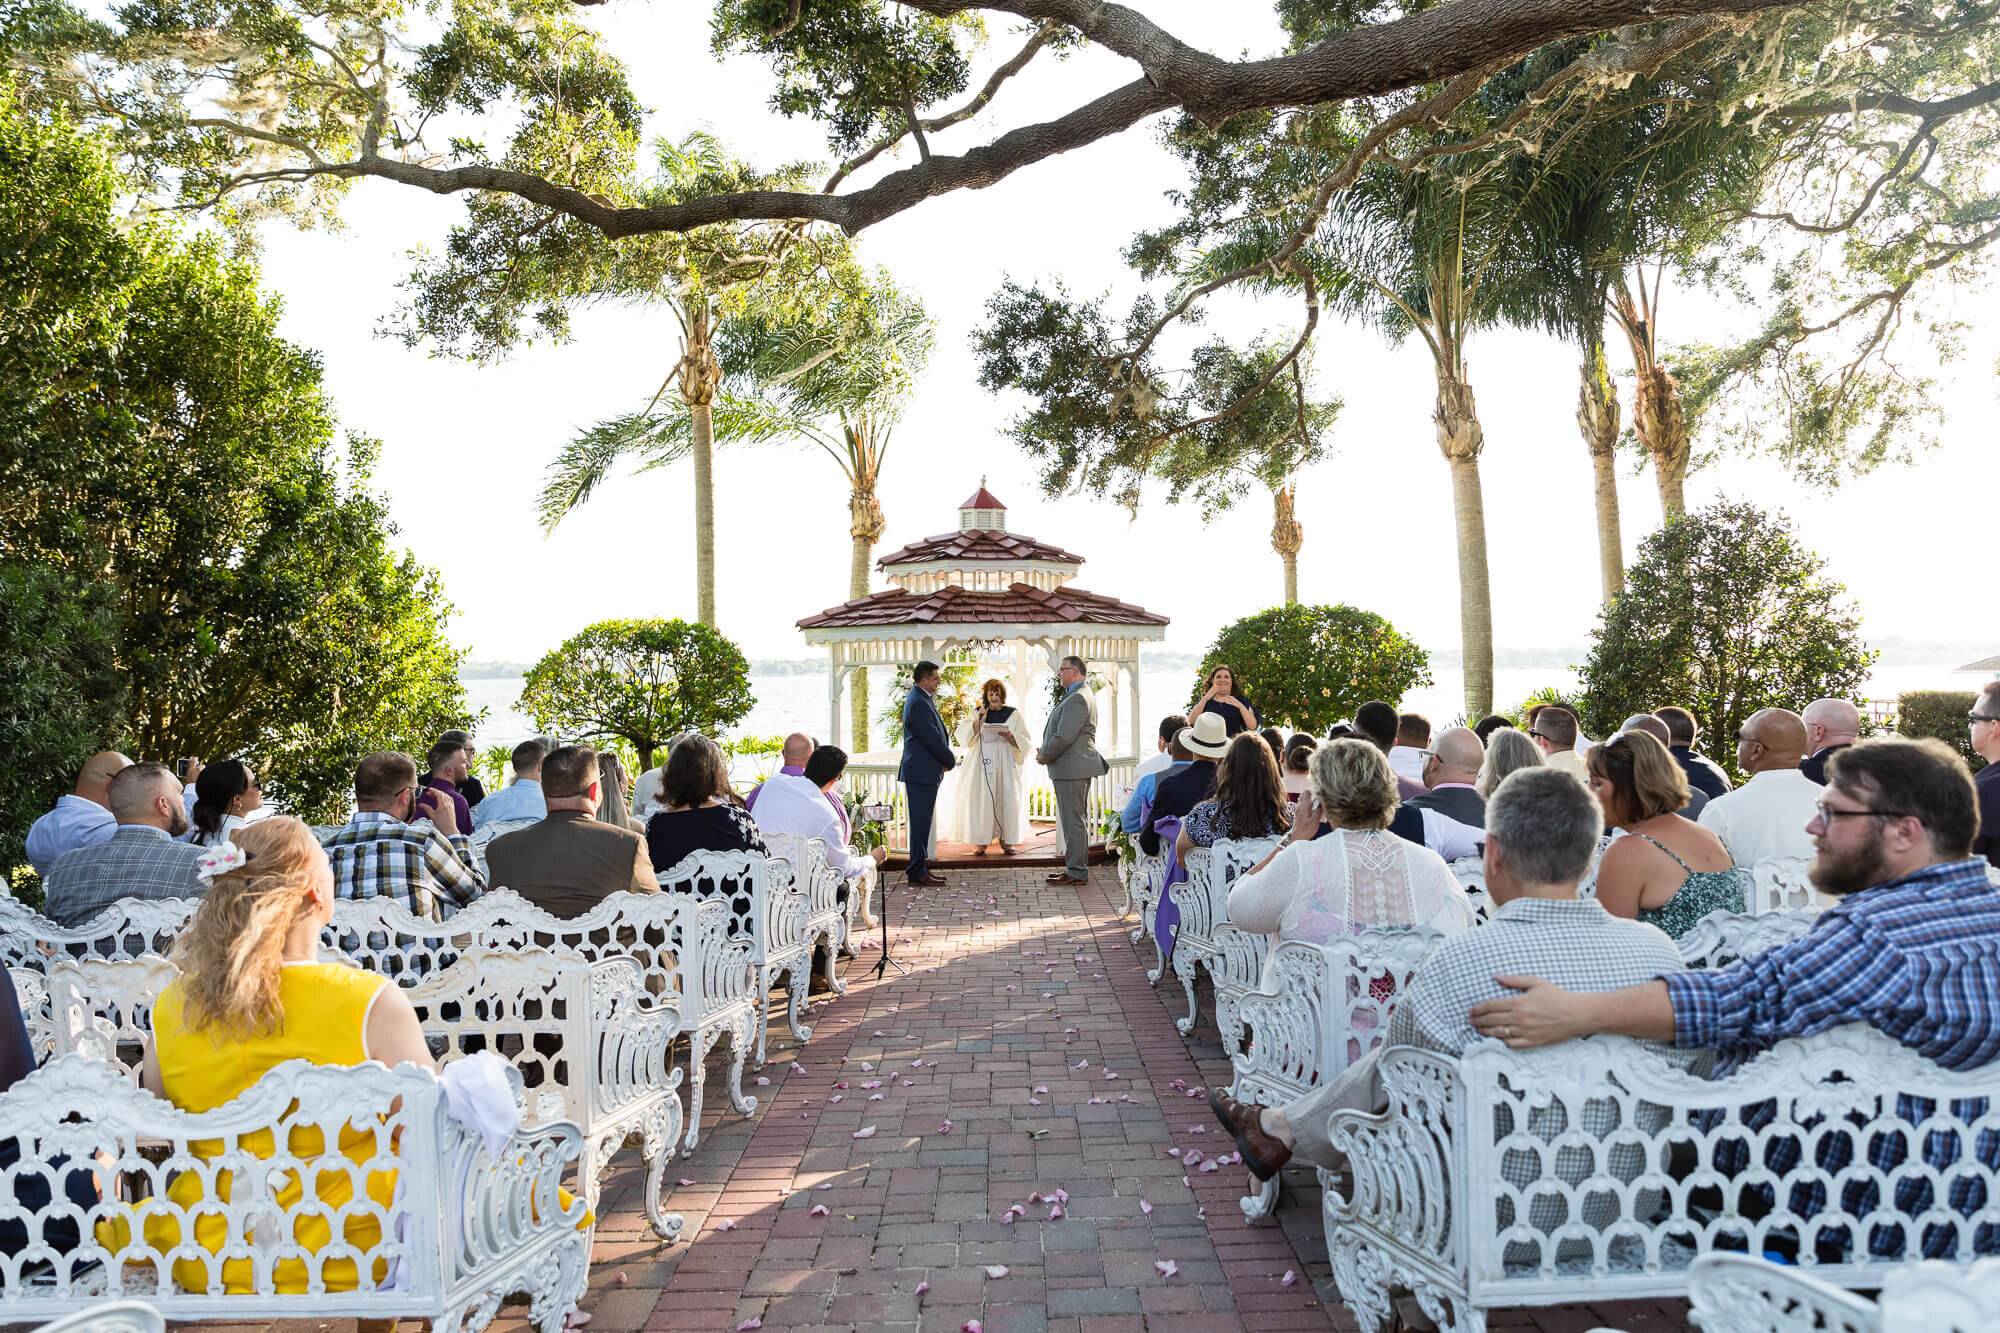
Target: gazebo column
<point>1138,723</point>
<point>835,678</point>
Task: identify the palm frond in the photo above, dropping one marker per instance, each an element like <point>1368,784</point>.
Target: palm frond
<point>586,461</point>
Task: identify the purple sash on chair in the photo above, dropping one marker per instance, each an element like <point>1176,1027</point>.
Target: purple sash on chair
<point>1166,912</point>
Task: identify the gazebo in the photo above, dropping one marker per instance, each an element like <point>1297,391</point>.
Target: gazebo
<point>1007,602</point>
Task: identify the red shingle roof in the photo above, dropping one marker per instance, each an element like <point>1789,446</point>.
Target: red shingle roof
<point>1021,604</point>
<point>982,499</point>
<point>978,544</point>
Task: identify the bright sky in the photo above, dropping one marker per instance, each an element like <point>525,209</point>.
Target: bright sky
<point>466,446</point>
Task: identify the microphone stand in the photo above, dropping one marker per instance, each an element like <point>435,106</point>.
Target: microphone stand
<point>885,962</point>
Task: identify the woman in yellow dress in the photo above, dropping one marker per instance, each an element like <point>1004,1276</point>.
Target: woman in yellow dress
<point>253,994</point>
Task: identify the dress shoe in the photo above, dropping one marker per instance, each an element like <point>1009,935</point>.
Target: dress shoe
<point>1261,1153</point>
<point>1064,877</point>
<point>928,882</point>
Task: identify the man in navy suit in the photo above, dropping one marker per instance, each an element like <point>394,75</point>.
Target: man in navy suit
<point>927,757</point>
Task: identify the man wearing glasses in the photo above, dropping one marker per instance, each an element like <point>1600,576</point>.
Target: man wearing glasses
<point>1984,719</point>
<point>1911,946</point>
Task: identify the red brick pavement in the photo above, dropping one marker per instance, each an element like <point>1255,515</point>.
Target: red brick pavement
<point>1016,986</point>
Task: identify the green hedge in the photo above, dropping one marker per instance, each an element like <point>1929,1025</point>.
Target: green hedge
<point>1939,713</point>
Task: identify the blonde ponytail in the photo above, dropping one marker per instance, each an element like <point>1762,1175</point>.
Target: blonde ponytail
<point>232,951</point>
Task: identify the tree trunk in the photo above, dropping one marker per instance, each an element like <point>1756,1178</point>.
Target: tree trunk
<point>645,750</point>
<point>1461,437</point>
<point>700,375</point>
<point>1287,536</point>
<point>865,525</point>
<point>1597,418</point>
<point>1659,418</point>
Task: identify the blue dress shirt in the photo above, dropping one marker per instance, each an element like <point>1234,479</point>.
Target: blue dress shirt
<point>74,823</point>
<point>521,800</point>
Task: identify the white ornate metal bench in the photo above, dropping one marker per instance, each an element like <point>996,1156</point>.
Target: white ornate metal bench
<point>126,929</point>
<point>1203,900</point>
<point>813,895</point>
<point>1634,1167</point>
<point>683,943</point>
<point>1328,1005</point>
<point>1470,872</point>
<point>111,1317</point>
<point>465,1230</point>
<point>1734,1293</point>
<point>1147,871</point>
<point>1779,884</point>
<point>1720,938</point>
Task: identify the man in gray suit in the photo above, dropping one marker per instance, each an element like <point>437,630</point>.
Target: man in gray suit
<point>1069,753</point>
<point>143,859</point>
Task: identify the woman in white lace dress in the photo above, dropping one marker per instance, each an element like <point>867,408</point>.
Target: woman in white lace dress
<point>1340,871</point>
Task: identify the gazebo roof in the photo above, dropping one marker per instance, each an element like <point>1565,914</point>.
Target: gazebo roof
<point>978,544</point>
<point>1983,664</point>
<point>1020,604</point>
<point>983,499</point>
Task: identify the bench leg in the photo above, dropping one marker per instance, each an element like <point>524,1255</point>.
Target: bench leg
<point>662,1127</point>
<point>699,1045</point>
<point>1261,1201</point>
<point>559,1282</point>
<point>796,1006</point>
<point>763,1009</point>
<point>739,1049</point>
<point>1364,1276</point>
<point>1184,968</point>
<point>833,948</point>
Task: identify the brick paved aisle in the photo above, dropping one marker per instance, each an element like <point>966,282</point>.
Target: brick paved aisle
<point>1028,1027</point>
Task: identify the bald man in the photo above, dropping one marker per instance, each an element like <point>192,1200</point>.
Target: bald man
<point>82,819</point>
<point>1451,766</point>
<point>1831,724</point>
<point>1767,816</point>
<point>797,749</point>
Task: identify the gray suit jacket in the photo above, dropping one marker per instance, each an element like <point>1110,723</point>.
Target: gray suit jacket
<point>138,862</point>
<point>1069,741</point>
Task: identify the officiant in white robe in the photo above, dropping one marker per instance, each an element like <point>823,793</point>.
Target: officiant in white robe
<point>990,801</point>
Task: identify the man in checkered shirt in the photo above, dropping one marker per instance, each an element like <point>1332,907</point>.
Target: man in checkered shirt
<point>1542,827</point>
<point>1912,948</point>
<point>428,868</point>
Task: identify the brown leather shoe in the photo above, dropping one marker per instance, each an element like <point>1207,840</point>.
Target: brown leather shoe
<point>929,882</point>
<point>1261,1153</point>
<point>1064,877</point>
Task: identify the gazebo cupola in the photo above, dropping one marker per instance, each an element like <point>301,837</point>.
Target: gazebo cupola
<point>983,512</point>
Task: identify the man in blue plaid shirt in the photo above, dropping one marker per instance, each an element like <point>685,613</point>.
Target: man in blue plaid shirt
<point>381,853</point>
<point>1912,948</point>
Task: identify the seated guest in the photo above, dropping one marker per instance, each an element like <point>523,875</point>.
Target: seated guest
<point>1703,774</point>
<point>807,807</point>
<point>382,853</point>
<point>1358,875</point>
<point>1541,831</point>
<point>1249,800</point>
<point>1221,699</point>
<point>1275,739</point>
<point>1831,724</point>
<point>469,786</point>
<point>1509,750</point>
<point>1174,757</point>
<point>450,764</point>
<point>646,794</point>
<point>702,813</point>
<point>611,781</point>
<point>797,749</point>
<point>1492,722</point>
<point>1376,722</point>
<point>522,798</point>
<point>224,794</point>
<point>1298,767</point>
<point>1554,729</point>
<point>1673,872</point>
<point>1911,948</point>
<point>1652,726</point>
<point>1984,725</point>
<point>570,861</point>
<point>142,858</point>
<point>1162,758</point>
<point>1450,775</point>
<point>1766,817</point>
<point>30,1190</point>
<point>1180,790</point>
<point>251,995</point>
<point>1412,747</point>
<point>79,819</point>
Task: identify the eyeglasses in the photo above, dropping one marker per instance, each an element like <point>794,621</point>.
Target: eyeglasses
<point>1827,814</point>
<point>1981,717</point>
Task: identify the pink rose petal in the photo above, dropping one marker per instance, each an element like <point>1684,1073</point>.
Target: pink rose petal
<point>686,1181</point>
<point>996,1271</point>
<point>865,1066</point>
<point>1190,1157</point>
<point>972,1326</point>
<point>798,1068</point>
<point>747,1325</point>
<point>831,1100</point>
<point>1083,1064</point>
<point>1055,1212</point>
<point>1288,1279</point>
<point>763,1082</point>
<point>818,1210</point>
<point>865,1132</point>
<point>1109,1074</point>
<point>725,1224</point>
<point>1041,1089</point>
<point>1145,1208</point>
<point>1034,1101</point>
<point>1167,1267</point>
<point>1211,1166</point>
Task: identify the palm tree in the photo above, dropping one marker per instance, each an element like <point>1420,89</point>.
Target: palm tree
<point>837,376</point>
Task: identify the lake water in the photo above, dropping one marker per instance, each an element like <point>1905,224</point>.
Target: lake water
<point>798,703</point>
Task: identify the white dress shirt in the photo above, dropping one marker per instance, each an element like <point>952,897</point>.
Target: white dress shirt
<point>1158,762</point>
<point>1408,762</point>
<point>74,823</point>
<point>1765,817</point>
<point>797,807</point>
<point>1449,838</point>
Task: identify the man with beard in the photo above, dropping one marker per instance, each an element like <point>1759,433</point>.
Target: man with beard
<point>1911,946</point>
<point>140,860</point>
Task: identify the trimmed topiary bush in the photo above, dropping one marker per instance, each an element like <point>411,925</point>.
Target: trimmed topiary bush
<point>1307,667</point>
<point>1940,713</point>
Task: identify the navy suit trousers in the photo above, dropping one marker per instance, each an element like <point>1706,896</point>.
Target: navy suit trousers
<point>923,809</point>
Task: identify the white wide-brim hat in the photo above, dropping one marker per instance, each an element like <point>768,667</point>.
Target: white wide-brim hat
<point>1208,737</point>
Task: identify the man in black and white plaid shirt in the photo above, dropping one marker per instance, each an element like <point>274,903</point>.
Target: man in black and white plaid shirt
<point>1542,828</point>
<point>381,853</point>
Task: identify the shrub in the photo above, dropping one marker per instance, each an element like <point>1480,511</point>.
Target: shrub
<point>645,681</point>
<point>1307,667</point>
<point>1724,612</point>
<point>1940,713</point>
